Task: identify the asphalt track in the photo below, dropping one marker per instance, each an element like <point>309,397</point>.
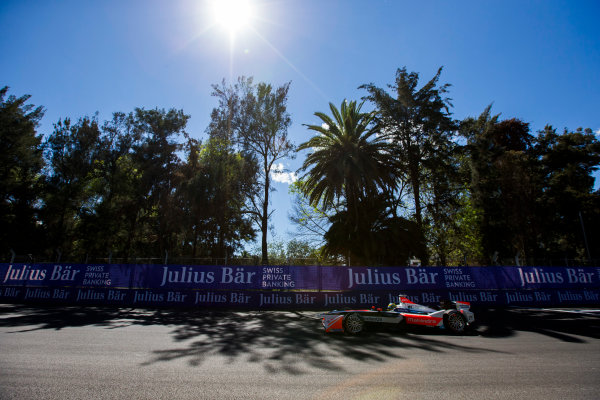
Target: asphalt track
<point>100,353</point>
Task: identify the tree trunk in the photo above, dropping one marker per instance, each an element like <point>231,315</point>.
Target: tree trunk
<point>132,227</point>
<point>416,187</point>
<point>264,222</point>
<point>195,240</point>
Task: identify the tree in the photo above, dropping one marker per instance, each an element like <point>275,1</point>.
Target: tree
<point>505,184</point>
<point>71,151</point>
<point>381,238</point>
<point>566,199</point>
<point>349,164</point>
<point>131,186</point>
<point>311,221</point>
<point>294,252</point>
<point>529,194</point>
<point>302,252</point>
<point>463,233</point>
<point>517,180</point>
<point>255,118</point>
<point>213,196</point>
<point>442,188</point>
<point>21,164</point>
<point>155,155</point>
<point>415,119</point>
<point>115,181</point>
<point>264,134</point>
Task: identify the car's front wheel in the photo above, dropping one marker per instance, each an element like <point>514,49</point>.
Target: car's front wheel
<point>353,324</point>
<point>455,322</point>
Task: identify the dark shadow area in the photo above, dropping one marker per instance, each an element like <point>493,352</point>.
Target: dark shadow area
<point>560,324</point>
<point>289,342</point>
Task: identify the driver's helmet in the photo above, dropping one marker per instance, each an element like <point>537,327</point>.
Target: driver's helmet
<point>391,306</point>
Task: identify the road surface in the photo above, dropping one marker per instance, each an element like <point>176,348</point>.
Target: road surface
<point>101,353</point>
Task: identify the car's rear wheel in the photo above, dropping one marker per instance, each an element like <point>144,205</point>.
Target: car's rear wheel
<point>455,322</point>
<point>353,324</point>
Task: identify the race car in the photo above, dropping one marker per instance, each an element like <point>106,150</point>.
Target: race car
<point>452,315</point>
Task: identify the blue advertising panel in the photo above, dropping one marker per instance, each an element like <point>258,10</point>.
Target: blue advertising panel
<point>295,287</point>
<point>80,275</point>
<point>465,278</point>
<point>225,277</point>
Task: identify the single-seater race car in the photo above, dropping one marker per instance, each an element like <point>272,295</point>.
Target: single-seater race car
<point>452,315</point>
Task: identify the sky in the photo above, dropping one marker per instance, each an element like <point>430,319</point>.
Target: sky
<point>538,61</point>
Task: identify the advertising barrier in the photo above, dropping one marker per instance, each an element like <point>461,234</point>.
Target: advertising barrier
<point>295,287</point>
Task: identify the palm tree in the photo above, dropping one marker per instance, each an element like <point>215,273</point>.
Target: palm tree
<point>351,161</point>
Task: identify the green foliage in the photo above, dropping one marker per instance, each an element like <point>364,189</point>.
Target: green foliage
<point>566,163</point>
<point>293,252</point>
<point>529,191</point>
<point>301,250</point>
<point>378,239</point>
<point>418,122</point>
<point>441,194</point>
<point>71,151</point>
<point>311,221</point>
<point>349,161</point>
<point>462,235</point>
<point>21,166</point>
<point>213,197</point>
<point>349,164</point>
<point>504,184</point>
<point>376,188</point>
<point>255,119</point>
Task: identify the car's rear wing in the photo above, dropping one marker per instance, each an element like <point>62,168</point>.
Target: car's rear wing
<point>462,305</point>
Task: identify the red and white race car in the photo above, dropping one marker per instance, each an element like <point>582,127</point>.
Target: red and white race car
<point>452,315</point>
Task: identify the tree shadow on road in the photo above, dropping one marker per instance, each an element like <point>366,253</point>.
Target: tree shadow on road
<point>282,342</point>
<point>563,325</point>
<point>289,342</point>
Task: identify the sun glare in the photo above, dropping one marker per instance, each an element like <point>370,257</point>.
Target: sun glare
<point>233,15</point>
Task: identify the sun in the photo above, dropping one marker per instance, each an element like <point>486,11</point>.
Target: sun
<point>233,15</point>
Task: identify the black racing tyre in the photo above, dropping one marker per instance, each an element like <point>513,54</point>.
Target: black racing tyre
<point>455,322</point>
<point>353,324</point>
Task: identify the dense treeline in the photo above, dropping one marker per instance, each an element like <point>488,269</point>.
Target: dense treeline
<point>405,180</point>
<point>138,184</point>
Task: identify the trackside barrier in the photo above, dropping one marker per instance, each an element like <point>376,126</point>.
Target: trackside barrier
<point>295,287</point>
